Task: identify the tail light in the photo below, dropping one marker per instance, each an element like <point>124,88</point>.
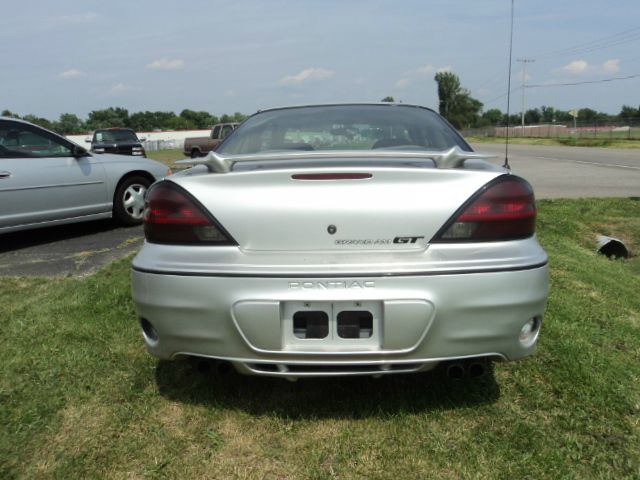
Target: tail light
<point>172,216</point>
<point>504,209</point>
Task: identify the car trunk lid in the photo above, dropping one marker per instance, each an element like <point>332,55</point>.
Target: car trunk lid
<point>335,209</point>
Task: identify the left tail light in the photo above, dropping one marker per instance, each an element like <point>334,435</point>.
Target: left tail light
<point>173,216</point>
<point>504,209</point>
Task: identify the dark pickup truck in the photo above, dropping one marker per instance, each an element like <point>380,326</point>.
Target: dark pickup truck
<point>121,141</point>
<point>195,147</point>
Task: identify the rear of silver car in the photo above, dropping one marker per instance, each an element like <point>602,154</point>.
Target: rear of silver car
<point>341,270</point>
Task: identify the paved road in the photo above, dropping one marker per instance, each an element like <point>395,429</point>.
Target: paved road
<point>78,249</point>
<point>573,172</point>
<point>555,172</point>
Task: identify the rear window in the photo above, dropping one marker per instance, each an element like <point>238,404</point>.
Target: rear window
<point>343,127</point>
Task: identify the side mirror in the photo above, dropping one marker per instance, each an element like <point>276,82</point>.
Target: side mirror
<point>87,139</point>
<point>77,151</point>
<point>143,139</point>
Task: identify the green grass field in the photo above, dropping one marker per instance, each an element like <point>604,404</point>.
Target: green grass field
<point>81,398</point>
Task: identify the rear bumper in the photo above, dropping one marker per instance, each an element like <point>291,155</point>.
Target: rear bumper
<point>419,320</point>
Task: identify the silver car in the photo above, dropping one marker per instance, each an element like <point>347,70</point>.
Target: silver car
<point>359,239</point>
<point>46,180</point>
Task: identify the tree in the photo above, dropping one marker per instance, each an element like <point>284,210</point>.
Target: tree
<point>199,119</point>
<point>179,123</point>
<point>43,122</point>
<point>563,116</point>
<point>493,116</point>
<point>9,113</point>
<point>448,89</point>
<point>69,123</point>
<point>548,114</point>
<point>587,115</point>
<point>239,117</point>
<point>456,103</point>
<point>108,117</point>
<point>142,121</point>
<point>388,99</point>
<point>627,112</point>
<point>532,116</point>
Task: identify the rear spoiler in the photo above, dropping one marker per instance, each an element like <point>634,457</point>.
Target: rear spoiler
<point>451,158</point>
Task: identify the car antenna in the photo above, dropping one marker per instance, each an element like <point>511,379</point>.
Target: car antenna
<point>506,145</point>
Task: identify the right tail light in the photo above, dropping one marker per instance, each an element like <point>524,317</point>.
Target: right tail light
<point>504,209</point>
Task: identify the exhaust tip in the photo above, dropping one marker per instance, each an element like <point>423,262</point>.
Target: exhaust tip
<point>476,369</point>
<point>455,371</point>
<point>150,333</point>
<point>223,368</point>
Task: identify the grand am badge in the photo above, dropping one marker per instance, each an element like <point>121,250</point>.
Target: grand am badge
<point>332,284</point>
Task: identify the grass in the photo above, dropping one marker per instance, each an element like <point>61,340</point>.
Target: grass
<point>572,141</point>
<point>167,156</point>
<point>80,397</point>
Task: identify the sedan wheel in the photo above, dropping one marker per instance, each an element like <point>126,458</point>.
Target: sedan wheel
<point>128,206</point>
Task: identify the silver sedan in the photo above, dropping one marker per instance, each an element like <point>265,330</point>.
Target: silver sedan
<point>360,239</point>
<point>46,180</point>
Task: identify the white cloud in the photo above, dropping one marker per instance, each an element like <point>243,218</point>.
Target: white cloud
<point>308,74</point>
<point>71,73</point>
<point>582,67</point>
<point>577,67</point>
<point>416,75</point>
<point>119,88</point>
<point>427,70</point>
<point>166,64</point>
<point>610,66</point>
<point>75,19</point>
<point>431,69</point>
<point>403,83</point>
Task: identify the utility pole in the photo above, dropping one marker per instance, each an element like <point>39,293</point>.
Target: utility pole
<point>524,79</point>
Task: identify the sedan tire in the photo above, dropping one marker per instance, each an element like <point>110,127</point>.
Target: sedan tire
<point>128,202</point>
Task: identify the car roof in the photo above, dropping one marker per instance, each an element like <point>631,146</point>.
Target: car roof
<point>347,104</point>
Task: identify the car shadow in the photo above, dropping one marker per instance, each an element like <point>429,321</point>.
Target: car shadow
<point>199,382</point>
<point>43,236</point>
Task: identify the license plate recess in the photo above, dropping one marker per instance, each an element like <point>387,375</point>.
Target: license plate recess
<point>347,325</point>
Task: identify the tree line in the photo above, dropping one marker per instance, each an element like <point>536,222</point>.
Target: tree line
<point>456,104</point>
<point>69,123</point>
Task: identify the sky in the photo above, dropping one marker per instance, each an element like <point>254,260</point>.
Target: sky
<point>69,56</point>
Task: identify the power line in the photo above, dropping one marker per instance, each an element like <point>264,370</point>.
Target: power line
<point>604,80</point>
<point>608,41</point>
<point>495,99</point>
<point>619,38</point>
